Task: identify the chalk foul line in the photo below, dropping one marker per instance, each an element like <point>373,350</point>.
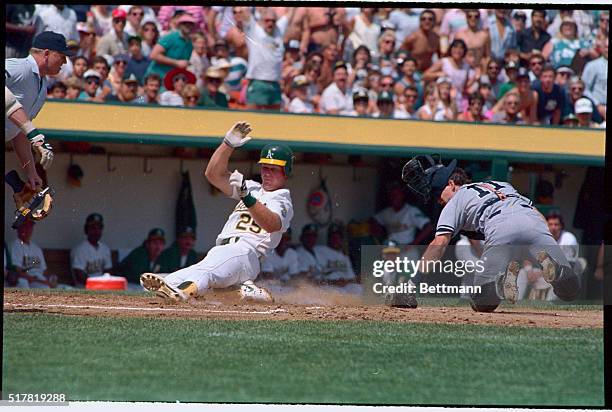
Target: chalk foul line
<point>135,309</point>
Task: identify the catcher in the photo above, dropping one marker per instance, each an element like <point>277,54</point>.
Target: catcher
<point>496,212</point>
<point>254,228</point>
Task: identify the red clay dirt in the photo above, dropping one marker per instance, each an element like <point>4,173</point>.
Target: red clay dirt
<point>327,306</point>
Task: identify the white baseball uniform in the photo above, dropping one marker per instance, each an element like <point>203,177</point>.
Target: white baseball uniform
<point>30,258</point>
<point>334,265</point>
<point>91,260</point>
<point>240,245</point>
<point>307,261</point>
<point>402,225</point>
<point>283,267</point>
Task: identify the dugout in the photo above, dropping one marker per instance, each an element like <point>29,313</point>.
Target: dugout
<point>133,176</point>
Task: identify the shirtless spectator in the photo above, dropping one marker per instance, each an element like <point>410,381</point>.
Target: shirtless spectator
<point>528,98</point>
<point>534,37</point>
<point>296,27</point>
<point>423,43</point>
<point>330,56</point>
<point>406,22</point>
<point>455,20</point>
<point>323,25</point>
<point>474,110</point>
<point>235,36</point>
<point>475,37</point>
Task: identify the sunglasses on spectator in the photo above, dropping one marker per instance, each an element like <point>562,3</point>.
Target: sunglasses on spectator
<point>119,21</point>
<point>512,103</point>
<point>564,74</point>
<point>493,67</point>
<point>386,84</point>
<point>577,89</point>
<point>411,96</point>
<point>92,80</point>
<point>137,14</point>
<point>181,77</point>
<point>536,63</point>
<point>120,62</point>
<point>192,97</point>
<point>214,80</point>
<point>426,19</point>
<point>389,42</point>
<point>473,16</point>
<point>604,19</point>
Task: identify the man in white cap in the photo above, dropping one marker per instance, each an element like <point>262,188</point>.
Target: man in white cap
<point>24,94</point>
<point>584,111</point>
<point>93,80</point>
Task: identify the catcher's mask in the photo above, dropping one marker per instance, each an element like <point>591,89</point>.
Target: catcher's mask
<point>427,176</point>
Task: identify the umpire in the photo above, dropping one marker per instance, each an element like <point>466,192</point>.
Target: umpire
<point>26,88</point>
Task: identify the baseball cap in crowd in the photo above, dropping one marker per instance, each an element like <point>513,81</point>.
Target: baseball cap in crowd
<point>310,228</point>
<point>443,79</point>
<point>92,73</point>
<point>386,25</point>
<point>583,105</point>
<point>214,73</point>
<point>156,233</point>
<point>519,15</point>
<point>511,65</point>
<point>121,57</point>
<point>75,174</point>
<point>568,20</point>
<point>169,77</point>
<point>293,44</point>
<point>340,64</point>
<point>360,94</point>
<point>119,14</point>
<point>522,72</point>
<point>130,78</point>
<point>385,96</point>
<point>299,81</point>
<point>94,219</point>
<point>570,119</point>
<point>187,231</point>
<point>52,41</point>
<point>186,18</point>
<point>565,69</point>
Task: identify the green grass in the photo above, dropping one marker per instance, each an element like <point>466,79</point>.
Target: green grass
<point>356,362</point>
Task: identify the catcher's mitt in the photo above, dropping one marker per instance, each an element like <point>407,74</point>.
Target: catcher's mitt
<point>29,202</point>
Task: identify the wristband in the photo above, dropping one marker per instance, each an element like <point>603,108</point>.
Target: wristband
<point>29,129</point>
<point>249,200</point>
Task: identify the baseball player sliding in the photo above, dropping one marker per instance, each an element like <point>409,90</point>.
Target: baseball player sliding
<point>254,227</point>
<point>496,212</point>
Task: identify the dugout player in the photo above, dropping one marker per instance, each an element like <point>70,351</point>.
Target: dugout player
<point>494,211</point>
<point>25,92</point>
<point>254,227</point>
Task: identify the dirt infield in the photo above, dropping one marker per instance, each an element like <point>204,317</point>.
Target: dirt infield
<point>227,305</point>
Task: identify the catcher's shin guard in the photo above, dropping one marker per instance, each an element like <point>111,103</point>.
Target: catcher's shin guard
<point>565,283</point>
<point>156,284</point>
<point>487,300</point>
<point>506,283</point>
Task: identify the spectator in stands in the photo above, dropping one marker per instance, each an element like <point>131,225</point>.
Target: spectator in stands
<point>489,100</point>
<point>528,98</point>
<point>411,94</point>
<point>211,96</point>
<point>575,91</point>
<point>58,18</point>
<point>137,63</point>
<point>582,18</point>
<point>166,14</point>
<point>562,49</point>
<point>90,257</point>
<point>174,49</point>
<point>152,84</point>
<point>511,113</point>
<point>266,49</point>
<point>150,35</point>
<point>406,22</point>
<point>190,95</point>
<point>570,120</point>
<point>363,30</point>
<point>362,58</point>
<point>408,68</point>
<point>550,97</point>
<point>127,91</point>
<point>87,40</point>
<point>307,260</point>
<point>474,111</point>
<point>28,260</point>
<point>282,262</point>
<point>360,104</point>
<point>92,84</point>
<point>601,33</point>
<point>330,57</point>
<point>235,35</point>
<point>446,94</point>
<point>220,51</point>
<point>102,19</point>
<point>312,71</point>
<point>595,76</point>
<point>493,77</point>
<point>564,73</point>
<point>20,27</point>
<point>584,111</point>
<point>199,63</point>
<point>135,15</point>
<point>80,66</point>
<point>181,253</point>
<point>475,36</point>
<point>565,239</point>
<point>402,221</point>
<point>386,46</point>
<point>336,97</point>
<point>101,65</point>
<point>519,21</point>
<point>117,71</point>
<point>293,62</point>
<point>115,41</point>
<point>534,37</point>
<point>425,42</point>
<point>300,102</point>
<point>503,36</point>
<point>174,82</point>
<point>58,90</point>
<point>144,257</point>
<point>74,87</point>
<point>512,70</point>
<point>536,63</point>
<point>432,108</point>
<point>385,106</point>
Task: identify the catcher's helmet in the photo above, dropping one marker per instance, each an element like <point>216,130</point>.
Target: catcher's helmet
<point>427,176</point>
<point>278,154</point>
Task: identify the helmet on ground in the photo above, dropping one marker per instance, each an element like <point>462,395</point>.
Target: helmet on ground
<point>279,155</point>
<point>427,176</point>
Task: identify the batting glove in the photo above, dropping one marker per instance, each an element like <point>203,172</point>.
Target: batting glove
<point>237,135</point>
<point>238,183</point>
<point>46,155</point>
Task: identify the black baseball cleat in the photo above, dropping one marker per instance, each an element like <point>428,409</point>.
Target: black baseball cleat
<point>565,283</point>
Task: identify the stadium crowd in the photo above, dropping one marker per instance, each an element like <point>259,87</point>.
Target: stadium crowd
<point>513,66</point>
